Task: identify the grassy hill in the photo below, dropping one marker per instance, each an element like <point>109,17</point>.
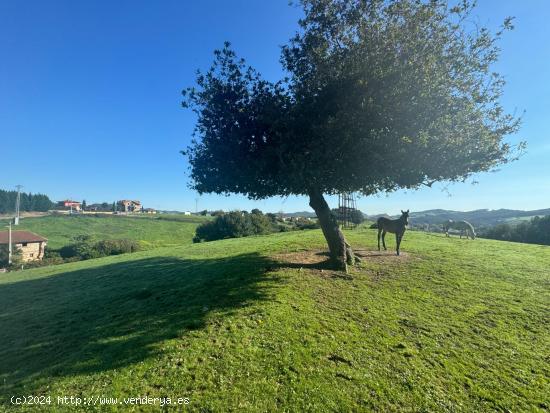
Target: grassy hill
<point>152,231</point>
<point>260,324</point>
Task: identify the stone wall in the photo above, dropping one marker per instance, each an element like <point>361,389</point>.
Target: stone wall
<point>32,251</point>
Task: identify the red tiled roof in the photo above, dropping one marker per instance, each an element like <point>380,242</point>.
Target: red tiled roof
<point>20,236</point>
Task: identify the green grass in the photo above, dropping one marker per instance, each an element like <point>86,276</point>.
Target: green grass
<point>151,231</point>
<point>258,324</point>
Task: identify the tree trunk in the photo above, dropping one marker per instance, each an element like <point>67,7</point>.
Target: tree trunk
<point>340,251</point>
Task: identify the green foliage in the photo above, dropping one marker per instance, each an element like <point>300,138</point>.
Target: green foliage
<point>535,231</point>
<point>357,217</point>
<point>80,250</point>
<point>272,217</point>
<point>234,224</point>
<point>16,257</point>
<point>238,224</point>
<point>253,324</point>
<point>4,252</point>
<point>116,246</point>
<point>29,202</point>
<point>381,95</point>
<point>302,224</point>
<point>260,223</point>
<point>85,249</point>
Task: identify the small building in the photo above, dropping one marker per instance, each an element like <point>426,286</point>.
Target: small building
<point>126,205</point>
<point>32,245</point>
<point>68,204</point>
<point>187,213</point>
<point>149,211</point>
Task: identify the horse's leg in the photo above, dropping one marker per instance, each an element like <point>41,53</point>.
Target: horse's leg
<point>379,232</point>
<point>397,241</point>
<point>384,240</point>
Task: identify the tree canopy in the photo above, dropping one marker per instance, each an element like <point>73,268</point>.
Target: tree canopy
<point>380,95</point>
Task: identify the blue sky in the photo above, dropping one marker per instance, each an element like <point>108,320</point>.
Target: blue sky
<point>90,100</point>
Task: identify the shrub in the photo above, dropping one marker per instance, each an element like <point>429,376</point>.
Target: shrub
<point>82,250</point>
<point>116,246</point>
<point>16,258</point>
<point>45,262</point>
<point>302,224</point>
<point>260,223</point>
<point>357,217</point>
<point>86,250</point>
<point>233,225</point>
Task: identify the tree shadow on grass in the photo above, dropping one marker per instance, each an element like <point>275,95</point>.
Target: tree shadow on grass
<point>102,318</point>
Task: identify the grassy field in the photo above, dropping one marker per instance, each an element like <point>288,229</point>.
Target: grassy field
<point>261,324</point>
<point>151,231</point>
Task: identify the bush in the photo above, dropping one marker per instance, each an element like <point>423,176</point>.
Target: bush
<point>357,217</point>
<point>86,250</point>
<point>302,224</point>
<point>83,250</point>
<point>116,246</point>
<point>16,258</point>
<point>45,262</point>
<point>233,225</point>
<point>260,223</point>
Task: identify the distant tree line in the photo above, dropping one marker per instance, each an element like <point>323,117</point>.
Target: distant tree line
<point>29,202</point>
<point>535,231</point>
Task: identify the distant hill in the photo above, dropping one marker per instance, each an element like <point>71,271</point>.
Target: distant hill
<point>305,214</point>
<point>479,217</point>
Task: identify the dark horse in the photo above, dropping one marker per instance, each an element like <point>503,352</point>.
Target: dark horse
<point>395,226</point>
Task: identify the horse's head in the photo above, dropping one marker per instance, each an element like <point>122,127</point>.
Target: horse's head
<point>405,216</point>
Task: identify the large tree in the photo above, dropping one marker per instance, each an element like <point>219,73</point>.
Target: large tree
<point>380,95</point>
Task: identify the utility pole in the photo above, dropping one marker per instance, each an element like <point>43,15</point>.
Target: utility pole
<point>10,251</point>
<point>196,205</point>
<point>17,204</point>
